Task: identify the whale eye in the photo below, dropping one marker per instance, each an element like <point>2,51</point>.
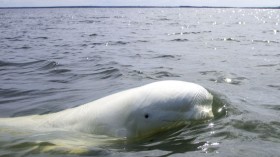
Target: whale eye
<point>147,116</point>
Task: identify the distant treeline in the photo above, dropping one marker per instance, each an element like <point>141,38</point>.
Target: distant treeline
<point>229,7</point>
<point>139,7</point>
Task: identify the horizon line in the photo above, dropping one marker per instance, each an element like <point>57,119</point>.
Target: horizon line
<point>183,6</point>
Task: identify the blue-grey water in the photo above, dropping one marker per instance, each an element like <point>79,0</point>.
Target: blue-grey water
<point>54,59</point>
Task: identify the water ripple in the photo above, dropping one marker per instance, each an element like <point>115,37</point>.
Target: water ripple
<point>93,35</point>
<point>165,56</point>
<point>15,92</point>
<point>117,43</point>
<point>263,130</point>
<point>89,21</point>
<point>274,86</point>
<point>180,40</point>
<point>220,77</point>
<point>185,33</point>
<point>48,65</point>
<point>266,41</point>
<point>268,65</point>
<point>5,63</point>
<point>45,38</point>
<point>108,73</point>
<point>164,74</point>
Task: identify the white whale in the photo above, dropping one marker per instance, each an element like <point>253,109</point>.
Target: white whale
<point>136,112</point>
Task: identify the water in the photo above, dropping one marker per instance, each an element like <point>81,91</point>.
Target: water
<point>54,59</point>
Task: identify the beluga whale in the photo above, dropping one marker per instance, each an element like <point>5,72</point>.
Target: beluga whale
<point>137,112</point>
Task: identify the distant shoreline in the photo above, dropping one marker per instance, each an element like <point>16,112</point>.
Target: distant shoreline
<point>50,7</point>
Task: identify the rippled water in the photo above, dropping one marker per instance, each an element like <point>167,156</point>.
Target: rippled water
<point>53,59</point>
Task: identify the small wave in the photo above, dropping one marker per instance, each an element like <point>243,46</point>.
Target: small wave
<point>93,35</point>
<point>83,45</point>
<point>180,40</point>
<point>163,74</point>
<point>262,55</point>
<point>48,65</point>
<point>107,64</point>
<point>118,43</point>
<point>229,39</point>
<point>100,17</point>
<point>87,21</point>
<point>162,67</point>
<point>274,86</point>
<point>265,41</point>
<point>197,32</point>
<point>165,56</point>
<point>272,107</point>
<point>207,72</point>
<point>119,17</point>
<point>153,75</point>
<point>40,38</point>
<point>94,58</point>
<point>234,81</point>
<point>108,73</point>
<point>272,31</point>
<point>59,71</point>
<point>268,65</point>
<point>219,77</point>
<point>264,130</point>
<point>136,74</point>
<point>63,45</point>
<point>107,70</point>
<point>3,63</point>
<point>96,44</point>
<point>59,81</point>
<point>18,38</point>
<point>142,41</point>
<point>184,33</point>
<point>171,57</point>
<point>12,92</point>
<point>23,47</point>
<point>164,19</point>
<point>49,28</point>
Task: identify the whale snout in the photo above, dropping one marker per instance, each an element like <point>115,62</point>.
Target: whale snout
<point>202,106</point>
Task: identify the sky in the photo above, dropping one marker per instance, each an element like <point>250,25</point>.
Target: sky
<point>230,3</point>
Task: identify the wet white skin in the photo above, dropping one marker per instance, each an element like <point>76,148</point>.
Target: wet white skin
<point>136,112</point>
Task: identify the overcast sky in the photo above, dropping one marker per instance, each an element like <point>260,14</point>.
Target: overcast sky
<point>234,3</point>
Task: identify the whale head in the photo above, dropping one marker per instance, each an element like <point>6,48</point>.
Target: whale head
<point>168,104</point>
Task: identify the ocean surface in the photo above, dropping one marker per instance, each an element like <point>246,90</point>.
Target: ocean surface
<point>54,59</point>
